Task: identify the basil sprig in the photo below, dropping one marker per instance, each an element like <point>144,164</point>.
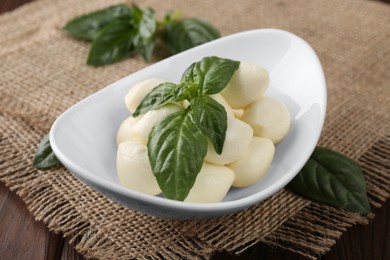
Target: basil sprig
<point>332,178</point>
<point>120,30</point>
<point>44,157</point>
<point>178,144</point>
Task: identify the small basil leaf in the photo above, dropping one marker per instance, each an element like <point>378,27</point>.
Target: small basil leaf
<point>44,157</point>
<point>87,27</point>
<point>182,35</point>
<point>160,96</point>
<point>212,74</point>
<point>144,39</point>
<point>211,118</point>
<point>332,178</point>
<point>113,43</point>
<point>189,75</point>
<point>176,150</point>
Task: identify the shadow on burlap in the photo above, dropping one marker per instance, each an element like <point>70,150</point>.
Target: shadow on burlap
<point>43,73</point>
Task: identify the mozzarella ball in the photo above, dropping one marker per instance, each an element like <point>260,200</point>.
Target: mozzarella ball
<point>247,85</point>
<point>137,93</point>
<point>238,113</point>
<point>254,162</point>
<point>221,100</point>
<point>211,185</point>
<point>133,168</point>
<point>184,103</point>
<point>238,136</point>
<point>269,118</point>
<point>142,128</point>
<point>125,129</point>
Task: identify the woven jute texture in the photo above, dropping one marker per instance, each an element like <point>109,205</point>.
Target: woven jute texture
<point>43,72</point>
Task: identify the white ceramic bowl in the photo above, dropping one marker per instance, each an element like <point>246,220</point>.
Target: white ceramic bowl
<point>83,137</point>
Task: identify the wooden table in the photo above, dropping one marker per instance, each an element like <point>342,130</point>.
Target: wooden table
<point>21,237</point>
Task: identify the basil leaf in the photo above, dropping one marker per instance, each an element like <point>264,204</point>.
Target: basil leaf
<point>189,75</point>
<point>212,74</point>
<point>181,35</point>
<point>211,118</point>
<point>332,178</point>
<point>114,42</point>
<point>44,157</point>
<point>160,96</point>
<point>176,150</point>
<point>87,27</point>
<point>144,39</point>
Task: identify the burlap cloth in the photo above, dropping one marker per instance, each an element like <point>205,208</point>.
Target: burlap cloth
<point>43,72</point>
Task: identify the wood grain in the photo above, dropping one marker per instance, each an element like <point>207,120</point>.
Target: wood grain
<point>21,237</point>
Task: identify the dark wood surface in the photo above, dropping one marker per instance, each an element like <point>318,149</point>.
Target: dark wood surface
<point>21,237</point>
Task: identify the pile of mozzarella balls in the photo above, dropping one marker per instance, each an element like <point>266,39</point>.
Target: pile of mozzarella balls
<point>255,124</point>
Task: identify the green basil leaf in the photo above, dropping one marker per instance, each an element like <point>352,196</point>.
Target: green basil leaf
<point>176,150</point>
<point>211,118</point>
<point>332,178</point>
<point>87,27</point>
<point>189,75</point>
<point>144,39</point>
<point>114,42</point>
<point>182,35</point>
<point>44,157</point>
<point>212,74</point>
<point>160,96</point>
